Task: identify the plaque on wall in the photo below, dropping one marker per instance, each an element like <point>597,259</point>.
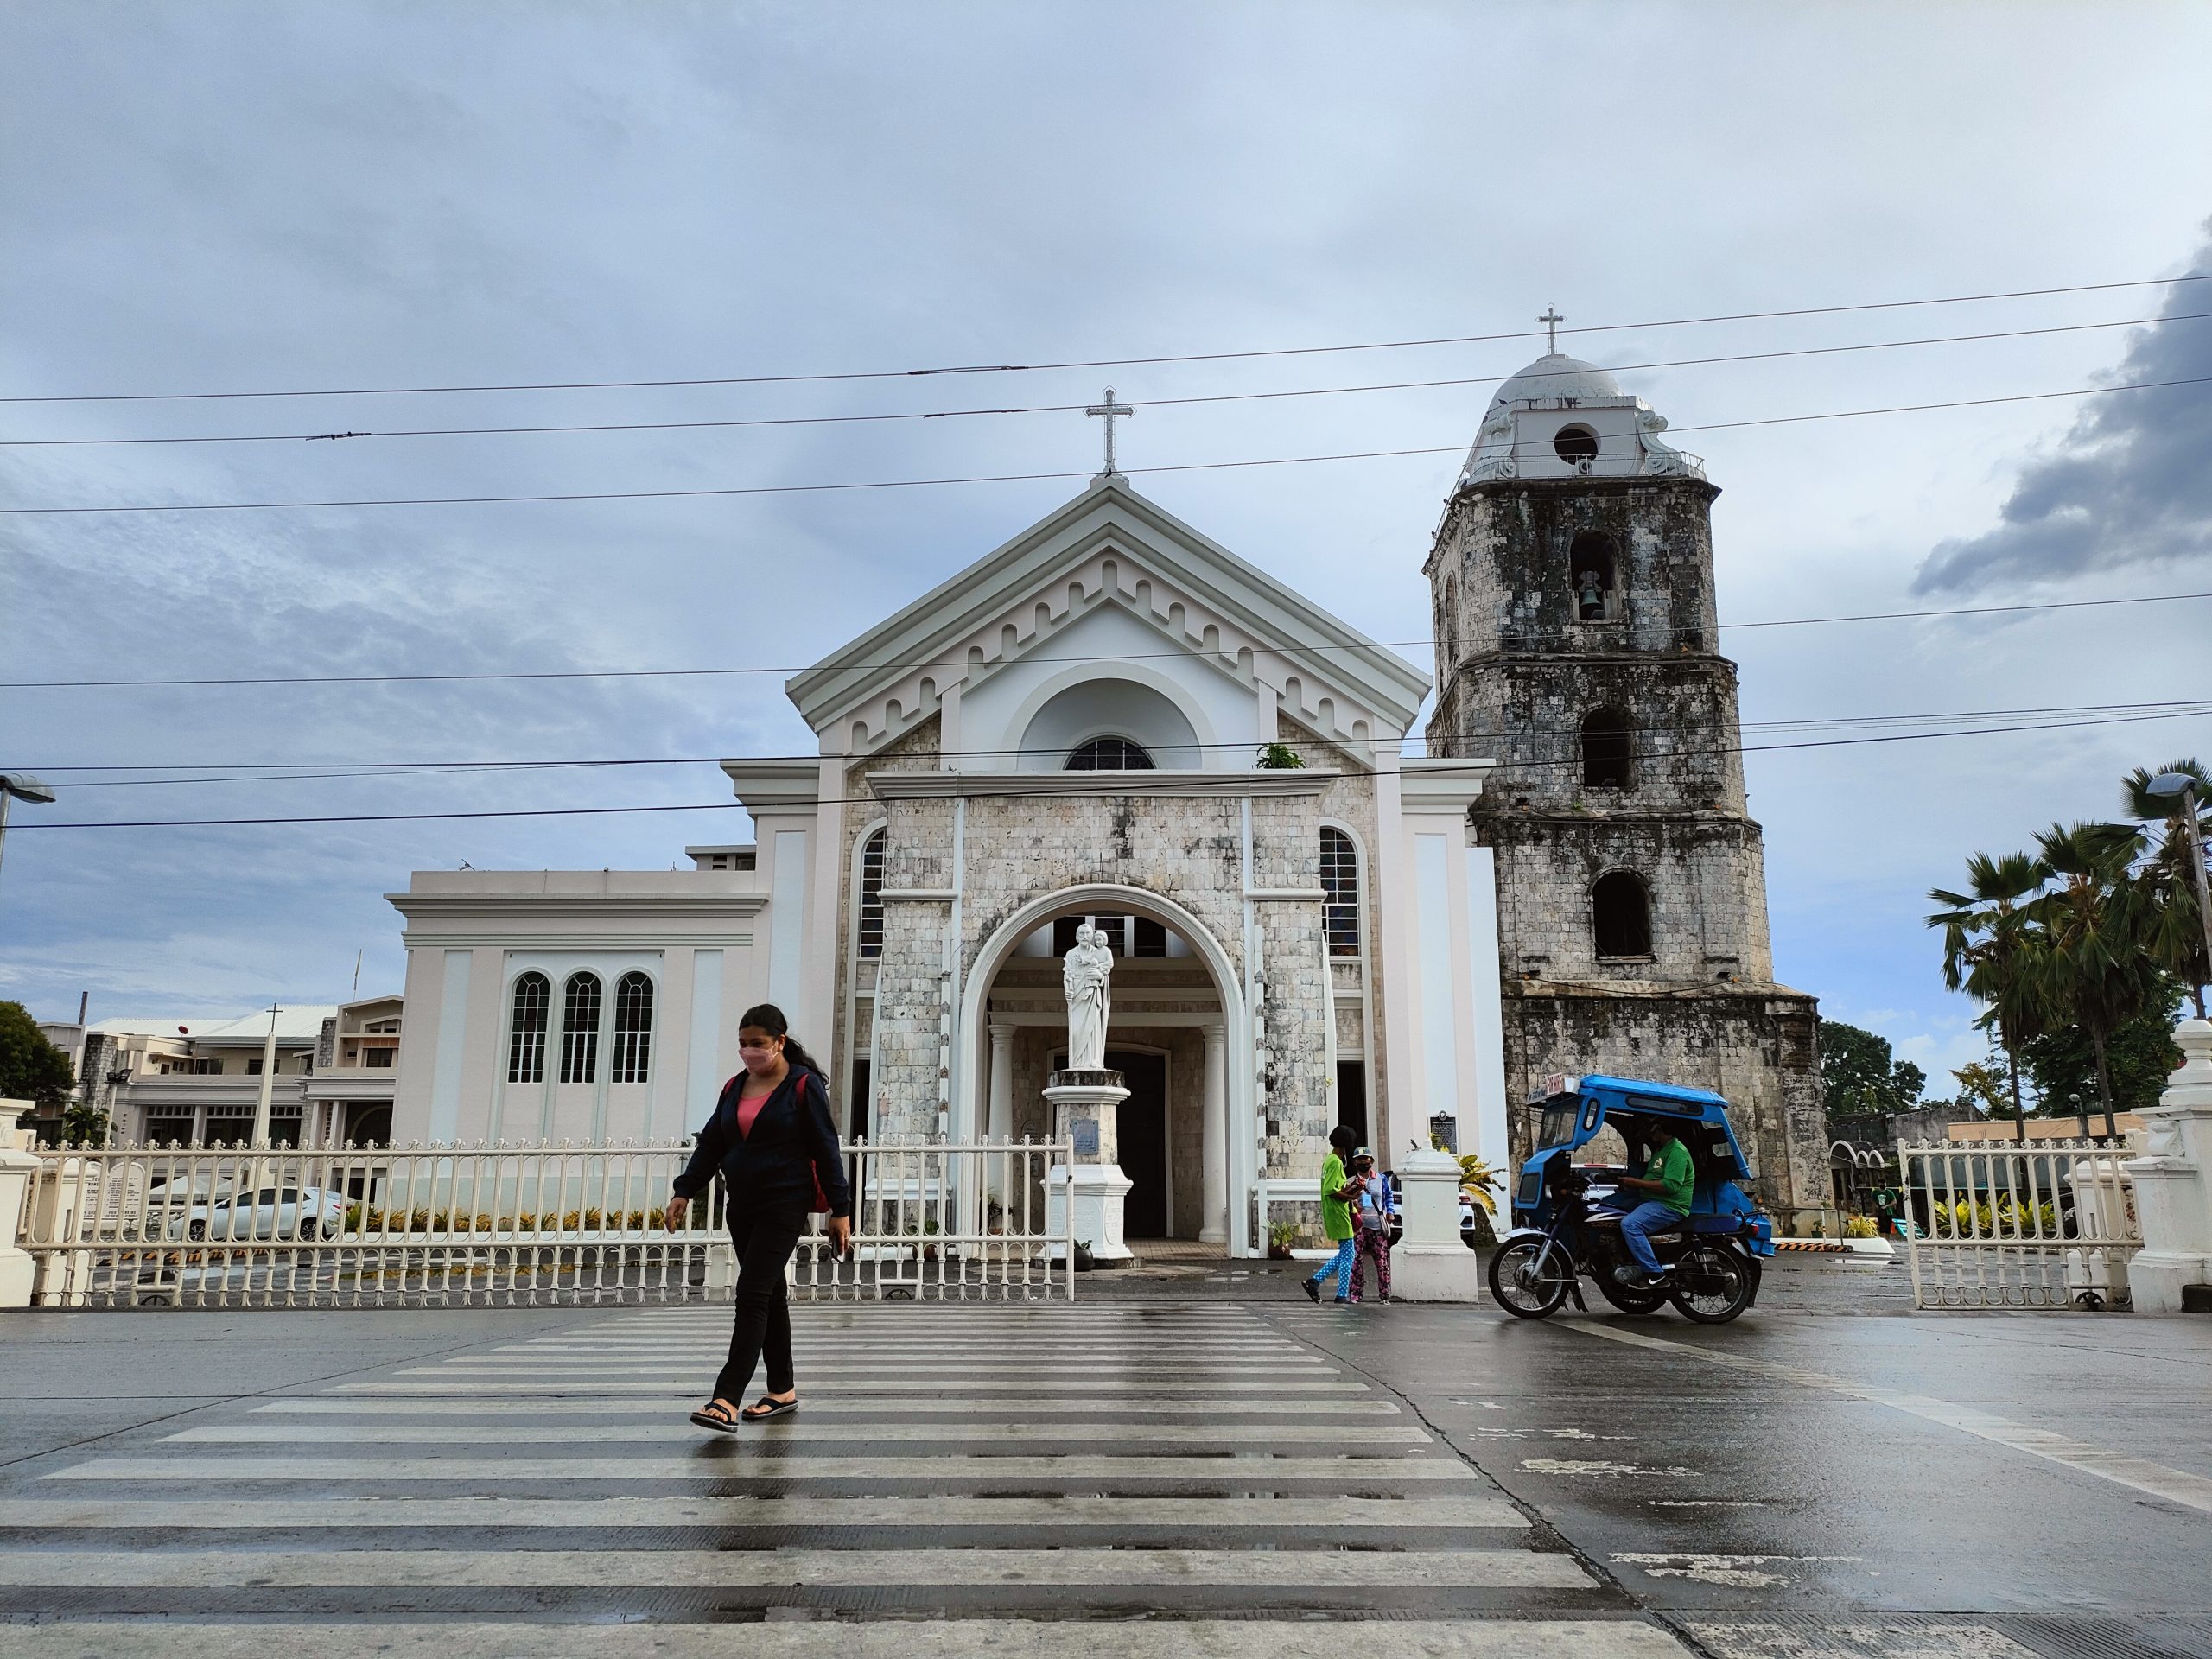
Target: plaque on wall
<point>1444,1131</point>
<point>1085,1133</point>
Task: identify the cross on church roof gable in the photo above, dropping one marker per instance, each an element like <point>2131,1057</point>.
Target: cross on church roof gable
<point>1107,548</point>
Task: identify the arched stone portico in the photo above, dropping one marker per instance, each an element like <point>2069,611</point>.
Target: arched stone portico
<point>1223,1092</point>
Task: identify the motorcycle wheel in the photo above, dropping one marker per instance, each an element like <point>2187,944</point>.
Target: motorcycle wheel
<point>1526,1282</point>
<point>1630,1301</point>
<point>1712,1285</point>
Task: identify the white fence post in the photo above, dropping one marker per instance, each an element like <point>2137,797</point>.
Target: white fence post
<point>2173,1180</point>
<point>18,1166</point>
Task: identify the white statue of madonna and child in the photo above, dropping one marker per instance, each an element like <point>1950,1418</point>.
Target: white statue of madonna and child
<point>1085,973</point>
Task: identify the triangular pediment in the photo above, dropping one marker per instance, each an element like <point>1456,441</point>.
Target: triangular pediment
<point>1109,548</point>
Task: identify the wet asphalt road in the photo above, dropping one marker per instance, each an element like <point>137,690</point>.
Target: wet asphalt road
<point>1795,1485</point>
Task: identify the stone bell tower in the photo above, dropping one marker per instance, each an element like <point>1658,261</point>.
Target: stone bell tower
<point>1577,646</point>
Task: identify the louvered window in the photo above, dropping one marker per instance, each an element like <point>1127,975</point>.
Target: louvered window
<point>1340,881</point>
<point>580,1029</point>
<point>634,1029</point>
<point>533,1000</point>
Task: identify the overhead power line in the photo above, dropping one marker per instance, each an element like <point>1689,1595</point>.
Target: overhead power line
<point>1028,478</point>
<point>308,772</point>
<point>1077,408</point>
<point>932,662</point>
<point>1080,784</point>
<point>1100,362</point>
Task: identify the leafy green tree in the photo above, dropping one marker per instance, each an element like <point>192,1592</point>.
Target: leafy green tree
<point>31,1068</point>
<point>2091,963</point>
<point>2140,1056</point>
<point>1860,1078</point>
<point>1985,1089</point>
<point>2174,926</point>
<point>1990,948</point>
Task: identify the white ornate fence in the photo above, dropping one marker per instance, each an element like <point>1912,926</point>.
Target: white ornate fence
<point>513,1226</point>
<point>1998,1224</point>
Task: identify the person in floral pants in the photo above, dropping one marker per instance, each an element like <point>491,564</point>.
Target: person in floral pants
<point>1374,1218</point>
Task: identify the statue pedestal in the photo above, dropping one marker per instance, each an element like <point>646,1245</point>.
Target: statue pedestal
<point>1089,1190</point>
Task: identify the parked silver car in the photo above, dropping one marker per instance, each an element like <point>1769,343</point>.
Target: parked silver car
<point>283,1213</point>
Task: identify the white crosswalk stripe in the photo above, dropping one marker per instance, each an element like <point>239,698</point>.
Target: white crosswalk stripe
<point>1009,1475</point>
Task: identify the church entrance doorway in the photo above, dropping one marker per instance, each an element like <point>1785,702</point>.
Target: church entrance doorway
<point>1141,1129</point>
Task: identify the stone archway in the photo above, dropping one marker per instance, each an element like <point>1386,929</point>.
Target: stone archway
<point>1227,1148</point>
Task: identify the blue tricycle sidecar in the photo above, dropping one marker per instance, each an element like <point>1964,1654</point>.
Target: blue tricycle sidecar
<point>1566,1220</point>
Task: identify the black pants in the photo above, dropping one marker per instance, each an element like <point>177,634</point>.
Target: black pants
<point>765,1241</point>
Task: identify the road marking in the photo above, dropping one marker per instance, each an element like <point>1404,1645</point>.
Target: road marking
<point>1733,1572</point>
<point>1854,1638</point>
<point>849,1384</point>
<point>1352,1515</point>
<point>758,1458</point>
<point>2138,1474</point>
<point>283,1568</point>
<point>277,1433</point>
<point>849,1405</point>
<point>898,1638</point>
<point>1598,1466</point>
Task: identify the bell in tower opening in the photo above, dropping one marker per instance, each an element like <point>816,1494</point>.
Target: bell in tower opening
<point>1577,627</point>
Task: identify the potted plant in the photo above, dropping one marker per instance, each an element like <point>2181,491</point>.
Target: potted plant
<point>1082,1261</point>
<point>1282,1235</point>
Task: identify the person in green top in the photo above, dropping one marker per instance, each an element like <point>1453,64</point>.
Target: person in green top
<point>1336,1191</point>
<point>1670,1180</point>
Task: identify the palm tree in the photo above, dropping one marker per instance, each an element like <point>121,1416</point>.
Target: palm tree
<point>2094,966</point>
<point>1989,943</point>
<point>2175,927</point>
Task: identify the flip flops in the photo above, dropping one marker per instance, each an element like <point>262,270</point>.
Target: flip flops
<point>768,1405</point>
<point>712,1416</point>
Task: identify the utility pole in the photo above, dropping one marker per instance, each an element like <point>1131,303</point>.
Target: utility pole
<point>268,1082</point>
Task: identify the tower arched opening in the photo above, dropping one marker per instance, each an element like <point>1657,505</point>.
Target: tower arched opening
<point>1608,750</point>
<point>1620,916</point>
<point>1594,573</point>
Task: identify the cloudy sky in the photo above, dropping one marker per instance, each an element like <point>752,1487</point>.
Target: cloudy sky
<point>243,198</point>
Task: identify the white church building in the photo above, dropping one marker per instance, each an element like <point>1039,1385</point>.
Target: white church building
<point>1075,726</point>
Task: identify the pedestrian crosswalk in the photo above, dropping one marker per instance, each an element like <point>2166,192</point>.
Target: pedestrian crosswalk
<point>1192,1477</point>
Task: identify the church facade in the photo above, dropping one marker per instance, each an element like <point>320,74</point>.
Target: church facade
<point>1112,718</point>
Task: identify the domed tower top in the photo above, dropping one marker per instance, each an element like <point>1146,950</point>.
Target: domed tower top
<point>1561,418</point>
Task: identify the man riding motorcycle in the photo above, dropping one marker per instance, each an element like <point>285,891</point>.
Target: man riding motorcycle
<point>1671,1181</point>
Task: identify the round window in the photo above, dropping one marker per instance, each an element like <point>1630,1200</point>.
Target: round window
<point>1575,444</point>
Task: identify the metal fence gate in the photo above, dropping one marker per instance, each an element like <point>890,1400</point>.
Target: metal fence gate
<point>515,1226</point>
<point>2000,1224</point>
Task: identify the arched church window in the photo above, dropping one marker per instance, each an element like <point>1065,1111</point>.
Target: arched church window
<point>1606,747</point>
<point>1620,914</point>
<point>1593,572</point>
<point>871,944</point>
<point>533,1000</point>
<point>1340,881</point>
<point>1575,444</point>
<point>634,1029</point>
<point>1109,754</point>
<point>580,1029</point>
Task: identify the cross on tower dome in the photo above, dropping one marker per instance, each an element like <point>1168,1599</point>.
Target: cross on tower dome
<point>1551,320</point>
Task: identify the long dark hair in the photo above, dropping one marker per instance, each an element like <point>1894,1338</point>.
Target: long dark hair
<point>767,1016</point>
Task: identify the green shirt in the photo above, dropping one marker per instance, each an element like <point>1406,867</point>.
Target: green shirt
<point>1336,1213</point>
<point>1672,1167</point>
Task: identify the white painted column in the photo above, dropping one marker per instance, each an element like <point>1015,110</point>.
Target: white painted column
<point>1001,1120</point>
<point>1213,1141</point>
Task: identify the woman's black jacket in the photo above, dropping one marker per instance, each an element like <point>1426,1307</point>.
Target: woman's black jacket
<point>793,1143</point>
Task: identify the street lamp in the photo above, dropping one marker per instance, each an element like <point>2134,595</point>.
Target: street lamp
<point>15,786</point>
<point>2168,785</point>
